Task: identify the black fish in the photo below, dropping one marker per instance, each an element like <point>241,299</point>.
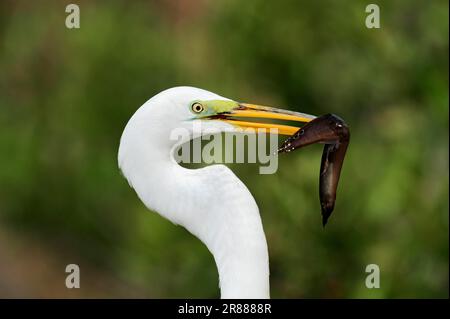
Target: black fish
<point>335,134</point>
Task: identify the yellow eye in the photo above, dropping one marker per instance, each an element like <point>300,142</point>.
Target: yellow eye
<point>197,107</point>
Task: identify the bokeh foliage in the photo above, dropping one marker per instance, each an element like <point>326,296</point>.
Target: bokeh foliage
<point>66,95</point>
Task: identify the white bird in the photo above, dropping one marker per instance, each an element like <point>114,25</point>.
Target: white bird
<point>210,202</point>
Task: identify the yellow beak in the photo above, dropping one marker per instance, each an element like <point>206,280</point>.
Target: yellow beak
<point>264,112</point>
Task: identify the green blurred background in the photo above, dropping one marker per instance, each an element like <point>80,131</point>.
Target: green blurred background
<point>66,95</point>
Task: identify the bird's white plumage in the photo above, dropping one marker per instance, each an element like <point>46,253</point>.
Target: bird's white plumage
<point>211,202</point>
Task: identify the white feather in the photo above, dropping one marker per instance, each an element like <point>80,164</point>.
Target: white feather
<point>211,202</point>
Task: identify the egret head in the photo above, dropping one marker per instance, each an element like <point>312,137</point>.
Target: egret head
<point>182,107</point>
<point>156,125</point>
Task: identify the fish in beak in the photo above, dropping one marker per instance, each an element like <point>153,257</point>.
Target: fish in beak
<point>328,129</point>
<point>332,131</point>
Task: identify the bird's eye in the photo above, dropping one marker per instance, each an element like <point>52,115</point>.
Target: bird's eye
<point>197,107</point>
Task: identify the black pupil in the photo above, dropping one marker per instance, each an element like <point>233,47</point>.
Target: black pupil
<point>197,107</point>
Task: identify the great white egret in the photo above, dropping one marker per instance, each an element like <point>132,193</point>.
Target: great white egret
<point>210,202</point>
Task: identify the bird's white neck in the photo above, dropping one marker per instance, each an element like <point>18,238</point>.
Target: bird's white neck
<point>215,206</point>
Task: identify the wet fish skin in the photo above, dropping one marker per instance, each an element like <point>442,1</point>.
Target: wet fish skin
<point>332,131</point>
